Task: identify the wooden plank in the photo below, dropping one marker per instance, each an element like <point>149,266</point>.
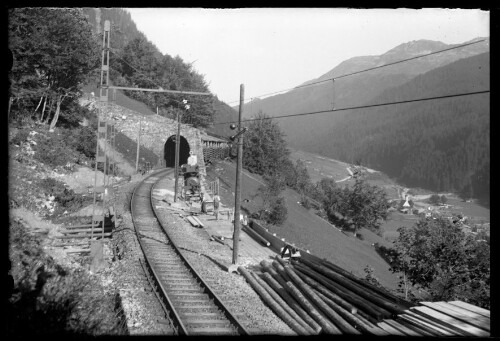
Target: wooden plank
<point>199,221</point>
<point>402,328</point>
<point>425,325</point>
<point>449,321</point>
<point>471,307</point>
<point>96,235</point>
<point>391,330</point>
<point>464,311</point>
<point>416,328</point>
<point>80,230</point>
<point>460,314</point>
<point>192,221</point>
<point>438,324</point>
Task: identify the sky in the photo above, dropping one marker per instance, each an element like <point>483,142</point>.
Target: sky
<point>273,49</point>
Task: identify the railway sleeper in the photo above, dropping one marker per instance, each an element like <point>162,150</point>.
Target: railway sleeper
<point>188,296</point>
<point>202,316</point>
<point>212,331</point>
<point>165,277</point>
<point>167,262</point>
<point>194,304</point>
<point>168,265</point>
<point>183,288</point>
<point>209,322</point>
<point>164,253</point>
<point>157,246</point>
<point>198,311</point>
<point>188,293</point>
<point>174,274</point>
<point>163,250</point>
<point>181,281</point>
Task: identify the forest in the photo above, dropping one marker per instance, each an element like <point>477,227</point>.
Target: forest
<point>137,62</point>
<point>441,145</point>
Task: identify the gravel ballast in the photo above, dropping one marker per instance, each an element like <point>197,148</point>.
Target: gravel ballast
<point>211,260</point>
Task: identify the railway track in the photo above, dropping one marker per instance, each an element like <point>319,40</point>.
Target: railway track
<point>190,304</point>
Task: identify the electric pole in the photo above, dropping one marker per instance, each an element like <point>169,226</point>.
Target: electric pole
<point>177,150</point>
<point>177,147</point>
<point>138,145</point>
<point>237,191</point>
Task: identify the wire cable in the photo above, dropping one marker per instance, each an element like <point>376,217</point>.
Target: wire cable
<point>360,107</point>
<point>364,70</point>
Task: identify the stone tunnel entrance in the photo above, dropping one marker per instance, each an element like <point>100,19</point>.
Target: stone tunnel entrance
<point>170,151</point>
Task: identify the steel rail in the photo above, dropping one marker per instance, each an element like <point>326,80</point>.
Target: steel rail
<point>182,325</point>
<point>209,291</point>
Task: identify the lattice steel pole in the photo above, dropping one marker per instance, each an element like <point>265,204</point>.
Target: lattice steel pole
<point>102,127</point>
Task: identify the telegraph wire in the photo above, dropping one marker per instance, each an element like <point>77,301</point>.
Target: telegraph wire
<point>364,70</point>
<point>348,108</point>
<point>360,107</point>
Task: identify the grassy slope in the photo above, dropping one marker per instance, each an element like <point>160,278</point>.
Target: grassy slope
<point>307,230</point>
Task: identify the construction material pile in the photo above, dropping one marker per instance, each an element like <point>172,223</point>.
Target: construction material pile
<point>315,296</point>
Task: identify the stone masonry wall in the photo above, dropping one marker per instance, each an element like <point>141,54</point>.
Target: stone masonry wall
<point>156,130</point>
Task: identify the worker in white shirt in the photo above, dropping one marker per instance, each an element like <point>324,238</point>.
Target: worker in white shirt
<point>192,159</point>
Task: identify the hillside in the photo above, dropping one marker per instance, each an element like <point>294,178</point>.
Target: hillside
<point>129,44</point>
<point>223,113</point>
<point>442,145</point>
<point>307,230</point>
<point>353,90</point>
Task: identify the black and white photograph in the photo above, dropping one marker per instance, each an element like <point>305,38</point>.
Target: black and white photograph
<point>255,171</point>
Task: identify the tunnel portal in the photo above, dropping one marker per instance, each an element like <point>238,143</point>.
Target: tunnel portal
<point>170,151</point>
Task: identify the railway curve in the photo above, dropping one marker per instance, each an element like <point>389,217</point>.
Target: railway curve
<point>190,304</point>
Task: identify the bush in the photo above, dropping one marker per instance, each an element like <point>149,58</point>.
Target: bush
<point>66,198</point>
<point>47,298</point>
<point>53,151</point>
<point>370,277</point>
<point>20,137</point>
<point>83,140</point>
<point>278,212</point>
<point>305,201</point>
<point>434,199</point>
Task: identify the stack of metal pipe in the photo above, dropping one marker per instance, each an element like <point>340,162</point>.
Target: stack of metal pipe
<point>314,296</point>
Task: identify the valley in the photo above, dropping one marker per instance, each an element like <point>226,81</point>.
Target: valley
<point>323,167</point>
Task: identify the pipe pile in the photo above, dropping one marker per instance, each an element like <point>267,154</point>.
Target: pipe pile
<point>314,296</point>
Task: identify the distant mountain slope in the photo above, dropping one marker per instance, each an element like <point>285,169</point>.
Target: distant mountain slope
<point>356,89</point>
<point>224,113</point>
<point>442,144</point>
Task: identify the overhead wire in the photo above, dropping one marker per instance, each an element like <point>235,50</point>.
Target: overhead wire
<point>344,109</point>
<point>338,77</point>
<point>364,70</point>
<point>359,107</point>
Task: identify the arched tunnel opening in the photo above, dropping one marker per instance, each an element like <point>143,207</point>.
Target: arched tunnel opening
<point>170,151</point>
